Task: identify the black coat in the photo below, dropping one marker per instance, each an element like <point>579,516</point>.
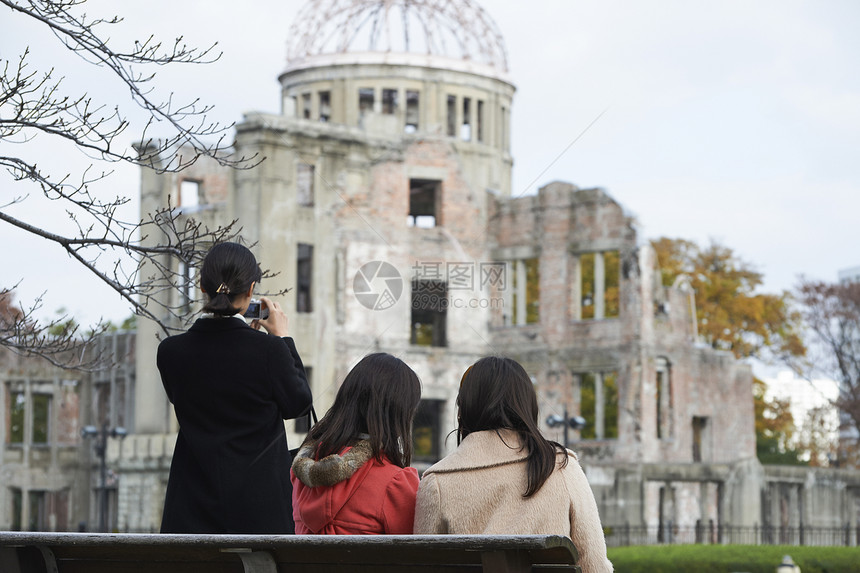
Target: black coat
<point>232,388</point>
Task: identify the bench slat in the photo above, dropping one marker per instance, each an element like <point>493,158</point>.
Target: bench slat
<point>132,553</point>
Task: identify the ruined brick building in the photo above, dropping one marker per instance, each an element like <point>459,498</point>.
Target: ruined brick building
<point>50,474</point>
<point>385,204</point>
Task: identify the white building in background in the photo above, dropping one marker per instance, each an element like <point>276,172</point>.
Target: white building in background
<point>804,397</point>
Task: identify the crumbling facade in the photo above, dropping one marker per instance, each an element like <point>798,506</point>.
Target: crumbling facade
<point>51,473</point>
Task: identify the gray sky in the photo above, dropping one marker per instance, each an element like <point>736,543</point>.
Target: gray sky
<point>732,120</point>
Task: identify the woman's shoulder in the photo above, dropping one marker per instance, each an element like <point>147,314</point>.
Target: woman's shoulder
<point>402,479</point>
<point>387,466</point>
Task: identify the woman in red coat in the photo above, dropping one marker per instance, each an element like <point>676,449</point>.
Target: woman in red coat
<point>351,475</point>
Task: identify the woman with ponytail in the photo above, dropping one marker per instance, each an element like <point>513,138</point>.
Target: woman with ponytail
<point>505,477</point>
<point>232,386</point>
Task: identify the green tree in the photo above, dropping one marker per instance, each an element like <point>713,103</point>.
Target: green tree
<point>774,429</point>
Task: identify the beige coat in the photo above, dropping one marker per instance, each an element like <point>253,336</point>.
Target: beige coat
<point>478,489</point>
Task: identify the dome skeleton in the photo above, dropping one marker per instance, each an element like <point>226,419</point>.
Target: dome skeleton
<point>457,29</point>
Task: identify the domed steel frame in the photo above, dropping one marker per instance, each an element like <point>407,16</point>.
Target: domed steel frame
<point>458,29</point>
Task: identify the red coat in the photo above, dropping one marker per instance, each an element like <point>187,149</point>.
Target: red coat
<point>378,498</point>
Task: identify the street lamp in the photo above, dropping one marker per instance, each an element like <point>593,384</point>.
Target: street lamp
<point>101,436</point>
<point>572,422</point>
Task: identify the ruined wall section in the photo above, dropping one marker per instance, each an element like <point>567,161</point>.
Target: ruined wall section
<point>697,427</point>
<point>361,202</point>
<point>372,226</point>
<point>794,498</point>
<point>212,183</point>
<point>559,225</point>
<point>52,468</point>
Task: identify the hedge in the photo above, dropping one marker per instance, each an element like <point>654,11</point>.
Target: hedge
<point>732,558</point>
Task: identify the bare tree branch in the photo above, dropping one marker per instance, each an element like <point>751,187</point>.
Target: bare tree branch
<point>34,108</point>
<point>831,313</point>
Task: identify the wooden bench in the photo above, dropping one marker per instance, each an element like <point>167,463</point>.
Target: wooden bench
<point>32,552</point>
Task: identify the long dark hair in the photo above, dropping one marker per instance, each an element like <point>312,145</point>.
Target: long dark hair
<point>228,270</point>
<point>496,393</point>
<point>378,397</point>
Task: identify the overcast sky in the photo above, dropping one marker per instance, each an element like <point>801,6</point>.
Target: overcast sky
<point>733,120</point>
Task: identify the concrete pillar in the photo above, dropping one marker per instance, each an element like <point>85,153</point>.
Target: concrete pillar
<point>338,101</point>
<point>521,292</point>
<point>28,421</point>
<point>458,115</point>
<point>508,293</point>
<point>150,402</point>
<point>599,284</point>
<point>377,100</point>
<point>25,503</point>
<point>575,288</point>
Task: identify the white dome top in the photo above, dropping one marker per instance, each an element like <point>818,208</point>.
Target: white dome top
<point>457,29</point>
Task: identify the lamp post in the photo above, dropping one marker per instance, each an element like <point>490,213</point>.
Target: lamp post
<point>569,422</point>
<point>101,436</point>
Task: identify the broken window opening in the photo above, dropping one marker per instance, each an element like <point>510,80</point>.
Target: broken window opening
<point>102,399</point>
<point>612,270</point>
<point>479,121</point>
<point>525,302</point>
<point>423,201</point>
<point>365,101</point>
<point>429,313</point>
<point>302,425</point>
<point>305,184</point>
<point>452,116</point>
<point>599,285</point>
<point>503,130</point>
<point>17,508</point>
<point>38,513</point>
<point>412,100</point>
<point>466,127</point>
<point>325,106</point>
<point>664,398</point>
<point>426,431</point>
<point>15,433</point>
<point>41,418</point>
<point>304,278</point>
<point>189,194</point>
<point>700,427</point>
<point>389,101</point>
<point>586,266</point>
<point>306,105</point>
<point>598,404</point>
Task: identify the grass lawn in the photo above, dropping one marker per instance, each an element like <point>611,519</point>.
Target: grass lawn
<point>732,558</point>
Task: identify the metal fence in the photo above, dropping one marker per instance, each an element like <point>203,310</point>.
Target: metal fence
<point>618,536</point>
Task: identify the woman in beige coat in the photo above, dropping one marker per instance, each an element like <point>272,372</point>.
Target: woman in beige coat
<point>505,477</point>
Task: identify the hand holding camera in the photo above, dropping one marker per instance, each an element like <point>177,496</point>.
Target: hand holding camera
<point>272,318</point>
<point>256,310</point>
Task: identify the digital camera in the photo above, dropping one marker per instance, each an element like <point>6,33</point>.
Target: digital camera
<point>256,310</point>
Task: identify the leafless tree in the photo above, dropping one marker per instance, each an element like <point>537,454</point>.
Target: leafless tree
<point>34,109</point>
<point>831,312</point>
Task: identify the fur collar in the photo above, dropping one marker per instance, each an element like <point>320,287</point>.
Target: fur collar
<point>331,469</point>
